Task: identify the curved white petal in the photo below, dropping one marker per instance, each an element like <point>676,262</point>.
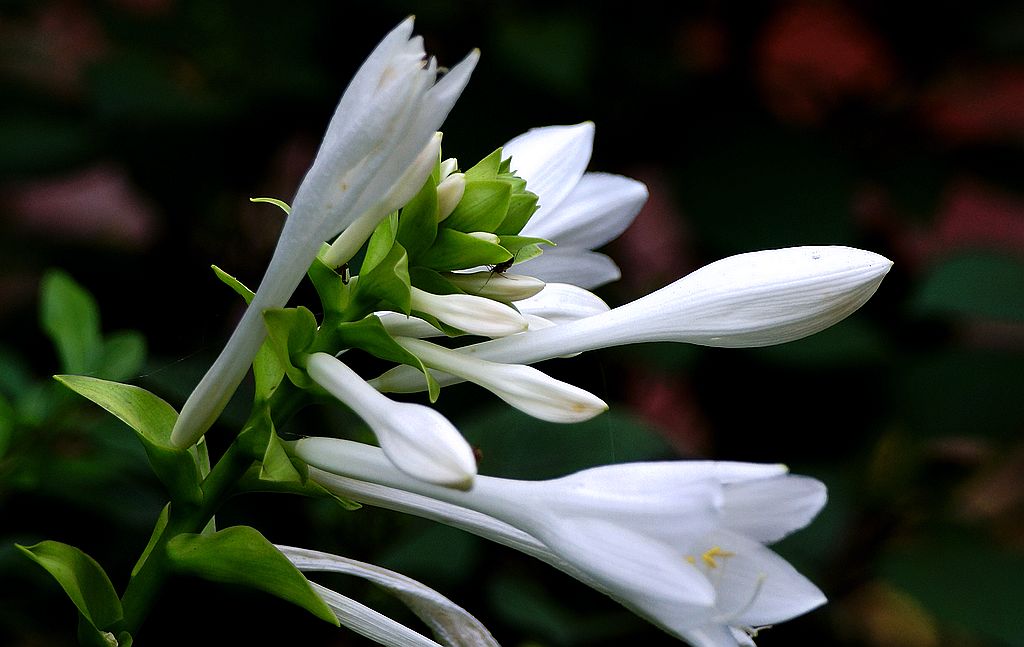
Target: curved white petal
<point>580,267</point>
<point>450,622</point>
<point>597,210</point>
<point>374,625</point>
<point>768,510</point>
<point>561,302</point>
<point>551,160</point>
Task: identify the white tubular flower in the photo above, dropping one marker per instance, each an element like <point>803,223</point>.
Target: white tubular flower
<point>452,624</point>
<point>418,440</point>
<point>496,285</point>
<point>578,211</point>
<point>384,121</point>
<point>523,387</point>
<point>754,299</point>
<point>474,315</point>
<point>449,193</point>
<point>680,543</point>
<point>400,325</point>
<point>561,303</point>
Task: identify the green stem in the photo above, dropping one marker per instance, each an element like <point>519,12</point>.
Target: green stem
<point>152,570</point>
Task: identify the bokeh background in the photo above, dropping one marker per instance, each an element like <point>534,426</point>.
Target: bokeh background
<point>133,132</point>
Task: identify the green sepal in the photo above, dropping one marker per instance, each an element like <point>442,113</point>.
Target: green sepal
<point>486,169</point>
<point>241,555</point>
<point>454,250</point>
<point>417,224</point>
<point>274,201</point>
<point>369,334</point>
<point>276,464</point>
<point>331,287</point>
<point>433,282</point>
<point>521,206</point>
<point>152,419</point>
<point>387,281</point>
<point>524,247</point>
<point>234,284</point>
<point>482,208</point>
<point>82,578</point>
<point>268,371</point>
<point>70,317</point>
<point>290,332</point>
<point>380,243</point>
<point>154,538</point>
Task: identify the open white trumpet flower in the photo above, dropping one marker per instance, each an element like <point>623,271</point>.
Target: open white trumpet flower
<point>680,543</point>
<point>385,120</point>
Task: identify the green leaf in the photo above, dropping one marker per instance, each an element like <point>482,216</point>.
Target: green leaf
<point>520,207</point>
<point>369,334</point>
<point>974,285</point>
<point>291,332</point>
<point>482,208</point>
<point>234,284</point>
<point>331,287</point>
<point>124,353</point>
<point>274,201</point>
<point>523,248</point>
<point>454,250</point>
<point>82,578</point>
<point>154,538</point>
<point>387,282</point>
<point>485,169</point>
<point>268,372</point>
<point>152,419</point>
<point>276,464</point>
<point>241,555</point>
<point>380,244</point>
<point>417,224</point>
<point>70,317</point>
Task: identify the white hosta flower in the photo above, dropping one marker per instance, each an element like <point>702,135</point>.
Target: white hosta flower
<point>385,120</point>
<point>578,211</point>
<point>475,315</point>
<point>523,387</point>
<point>680,543</point>
<point>561,303</point>
<point>450,622</point>
<point>417,439</point>
<point>754,299</point>
<point>499,286</point>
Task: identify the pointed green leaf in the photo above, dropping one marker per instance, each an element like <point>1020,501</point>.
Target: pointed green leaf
<point>523,248</point>
<point>82,578</point>
<point>152,419</point>
<point>387,282</point>
<point>520,207</point>
<point>154,538</point>
<point>68,314</point>
<point>268,371</point>
<point>331,287</point>
<point>485,169</point>
<point>482,208</point>
<point>234,284</point>
<point>241,555</point>
<point>291,332</point>
<point>380,243</point>
<point>274,201</point>
<point>454,250</point>
<point>417,223</point>
<point>276,464</point>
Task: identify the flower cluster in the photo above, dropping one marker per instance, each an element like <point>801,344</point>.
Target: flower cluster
<point>425,249</point>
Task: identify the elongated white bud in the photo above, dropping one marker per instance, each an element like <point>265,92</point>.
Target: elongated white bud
<point>475,315</point>
<point>416,439</point>
<point>495,285</point>
<point>523,387</point>
<point>449,193</point>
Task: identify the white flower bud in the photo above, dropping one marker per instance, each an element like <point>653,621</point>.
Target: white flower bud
<point>449,193</point>
<point>416,439</point>
<point>496,285</point>
<point>475,315</point>
<point>523,387</point>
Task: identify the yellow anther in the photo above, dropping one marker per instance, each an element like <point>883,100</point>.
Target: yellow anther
<point>690,559</point>
<point>708,557</point>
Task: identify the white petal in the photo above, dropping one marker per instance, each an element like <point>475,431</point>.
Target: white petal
<point>451,623</point>
<point>562,302</point>
<point>579,267</point>
<point>597,210</point>
<point>374,625</point>
<point>551,160</point>
<point>397,323</point>
<point>768,510</point>
<point>757,587</point>
<point>710,635</point>
<point>474,315</point>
